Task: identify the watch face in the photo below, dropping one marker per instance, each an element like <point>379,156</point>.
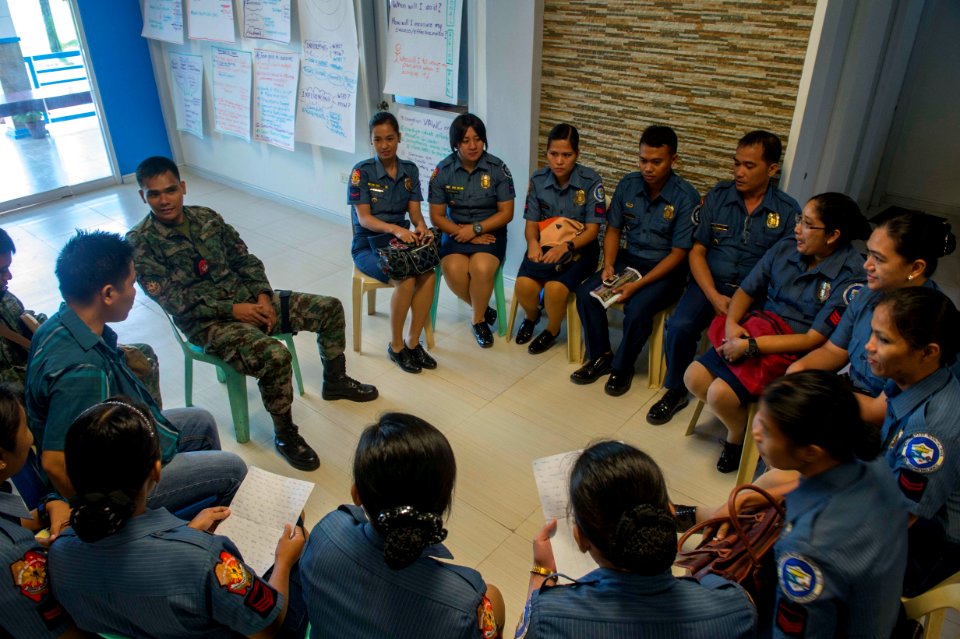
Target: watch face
<point>477,228</point>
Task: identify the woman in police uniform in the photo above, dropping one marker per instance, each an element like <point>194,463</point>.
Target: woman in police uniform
<point>622,518</point>
<point>383,191</point>
<point>902,251</point>
<point>808,281</point>
<point>471,201</point>
<point>565,189</point>
<point>128,570</point>
<point>28,608</point>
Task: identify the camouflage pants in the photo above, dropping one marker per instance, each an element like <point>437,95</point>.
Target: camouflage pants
<point>252,352</point>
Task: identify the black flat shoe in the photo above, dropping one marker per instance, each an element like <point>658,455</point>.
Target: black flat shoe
<point>404,359</point>
<point>544,341</point>
<point>730,457</point>
<point>618,383</point>
<point>481,331</point>
<point>673,401</point>
<point>420,356</point>
<point>525,332</point>
<point>490,316</point>
<point>592,370</point>
<point>296,451</point>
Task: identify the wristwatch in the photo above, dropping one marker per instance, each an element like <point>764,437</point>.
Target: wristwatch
<point>477,228</point>
<point>752,349</point>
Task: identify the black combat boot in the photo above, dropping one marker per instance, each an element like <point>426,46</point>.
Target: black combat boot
<point>291,445</point>
<point>338,385</point>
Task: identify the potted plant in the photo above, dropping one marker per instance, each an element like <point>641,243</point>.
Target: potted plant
<point>33,121</point>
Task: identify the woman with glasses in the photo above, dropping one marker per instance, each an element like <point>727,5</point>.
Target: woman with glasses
<point>807,281</point>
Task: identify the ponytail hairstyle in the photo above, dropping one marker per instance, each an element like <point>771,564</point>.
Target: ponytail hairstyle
<point>404,472</point>
<point>817,408</point>
<point>918,236</point>
<point>110,450</point>
<point>9,418</point>
<point>839,212</point>
<point>619,500</point>
<point>924,316</point>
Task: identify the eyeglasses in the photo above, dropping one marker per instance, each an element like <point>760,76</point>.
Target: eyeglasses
<point>805,225</point>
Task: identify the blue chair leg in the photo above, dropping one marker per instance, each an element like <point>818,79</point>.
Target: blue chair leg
<point>295,363</point>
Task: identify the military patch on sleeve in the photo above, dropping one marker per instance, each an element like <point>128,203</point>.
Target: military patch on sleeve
<point>506,172</point>
<point>791,618</point>
<point>486,622</point>
<point>30,575</point>
<point>261,599</point>
<point>835,317</point>
<point>599,195</point>
<point>800,579</point>
<point>355,178</point>
<point>408,184</point>
<point>923,453</point>
<point>436,172</point>
<point>51,612</point>
<point>851,292</point>
<point>354,193</point>
<point>232,575</point>
<point>153,288</point>
<point>695,216</point>
<point>912,484</point>
<point>599,209</point>
<point>524,622</point>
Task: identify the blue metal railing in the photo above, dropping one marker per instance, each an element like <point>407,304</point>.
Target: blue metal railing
<point>39,78</point>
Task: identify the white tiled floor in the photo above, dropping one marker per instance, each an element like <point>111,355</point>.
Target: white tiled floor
<point>500,408</point>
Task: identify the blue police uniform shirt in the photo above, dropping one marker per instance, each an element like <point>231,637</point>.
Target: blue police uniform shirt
<point>157,577</point>
<point>611,604</point>
<point>652,228</point>
<point>581,198</point>
<point>29,608</point>
<point>921,437</point>
<point>736,241</point>
<point>387,197</point>
<point>351,592</point>
<point>805,299</point>
<point>841,554</point>
<point>853,333</point>
<point>471,197</point>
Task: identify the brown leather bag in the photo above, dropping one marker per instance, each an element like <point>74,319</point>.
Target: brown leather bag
<point>558,230</point>
<point>745,555</point>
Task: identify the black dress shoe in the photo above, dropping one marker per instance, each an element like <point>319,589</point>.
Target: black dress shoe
<point>490,316</point>
<point>404,359</point>
<point>295,450</point>
<point>544,341</point>
<point>420,356</point>
<point>525,332</point>
<point>618,383</point>
<point>592,370</point>
<point>674,400</point>
<point>730,457</point>
<point>481,331</point>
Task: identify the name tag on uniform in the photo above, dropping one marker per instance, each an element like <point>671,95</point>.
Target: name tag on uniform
<point>451,187</point>
<point>376,188</point>
<point>719,227</point>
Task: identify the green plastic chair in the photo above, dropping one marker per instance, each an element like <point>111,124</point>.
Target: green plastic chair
<point>236,382</point>
<point>497,293</point>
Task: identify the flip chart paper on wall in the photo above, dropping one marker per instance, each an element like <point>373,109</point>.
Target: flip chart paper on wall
<point>267,20</point>
<point>424,140</point>
<point>210,20</point>
<point>327,100</point>
<point>232,77</point>
<point>275,96</point>
<point>423,49</point>
<point>163,20</point>
<point>187,73</point>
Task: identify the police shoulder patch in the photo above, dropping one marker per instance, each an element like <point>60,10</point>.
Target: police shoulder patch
<point>923,453</point>
<point>30,575</point>
<point>232,575</point>
<point>506,171</point>
<point>851,292</point>
<point>599,195</point>
<point>355,177</point>
<point>800,579</point>
<point>486,621</point>
<point>695,216</point>
<point>436,172</point>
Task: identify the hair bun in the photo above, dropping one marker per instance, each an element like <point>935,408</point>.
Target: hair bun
<point>407,532</point>
<point>645,540</point>
<point>97,515</point>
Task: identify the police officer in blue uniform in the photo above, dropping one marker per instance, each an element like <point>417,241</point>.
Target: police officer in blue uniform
<point>807,281</point>
<point>128,570</point>
<point>734,226</point>
<point>902,251</point>
<point>29,609</point>
<point>563,189</point>
<point>650,216</point>
<point>621,517</point>
<point>383,191</point>
<point>842,551</point>
<point>914,340</point>
<point>471,201</point>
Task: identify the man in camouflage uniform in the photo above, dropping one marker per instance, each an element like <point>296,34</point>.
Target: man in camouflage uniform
<point>18,324</point>
<point>195,265</point>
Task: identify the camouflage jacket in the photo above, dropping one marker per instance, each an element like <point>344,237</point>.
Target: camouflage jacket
<point>13,357</point>
<point>196,279</point>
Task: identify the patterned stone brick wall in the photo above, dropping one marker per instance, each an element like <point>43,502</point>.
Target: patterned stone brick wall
<point>711,69</point>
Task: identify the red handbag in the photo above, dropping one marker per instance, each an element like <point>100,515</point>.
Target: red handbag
<point>755,372</point>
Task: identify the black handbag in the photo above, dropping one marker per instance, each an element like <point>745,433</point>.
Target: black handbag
<point>400,260</point>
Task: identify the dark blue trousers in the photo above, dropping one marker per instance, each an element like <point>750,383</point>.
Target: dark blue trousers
<point>638,312</point>
<point>693,314</point>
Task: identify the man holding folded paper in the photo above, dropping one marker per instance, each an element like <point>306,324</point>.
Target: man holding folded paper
<point>649,228</point>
